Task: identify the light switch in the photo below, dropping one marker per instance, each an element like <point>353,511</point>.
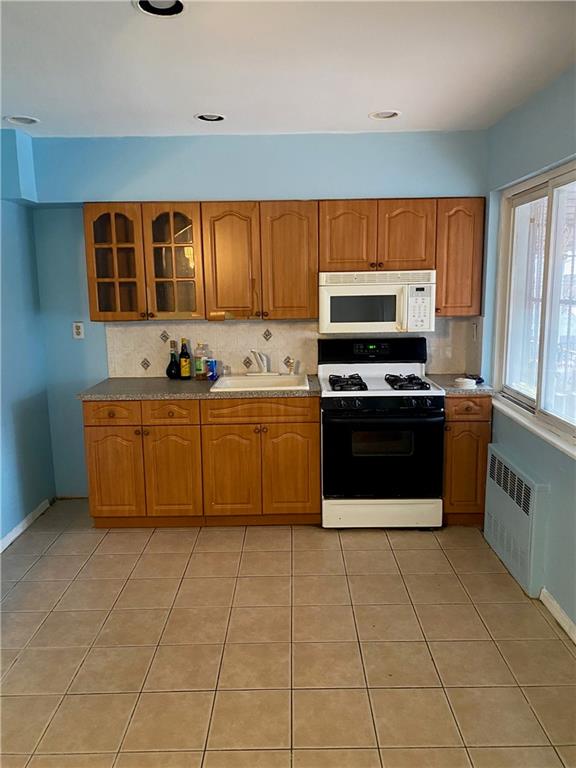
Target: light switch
<point>77,330</point>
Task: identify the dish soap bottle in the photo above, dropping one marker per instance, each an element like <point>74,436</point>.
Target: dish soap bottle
<point>173,369</point>
<point>200,357</point>
<point>185,370</point>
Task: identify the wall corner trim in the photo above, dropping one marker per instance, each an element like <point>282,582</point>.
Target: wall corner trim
<point>23,524</point>
<point>559,614</point>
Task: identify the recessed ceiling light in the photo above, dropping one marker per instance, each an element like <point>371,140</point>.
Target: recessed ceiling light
<point>387,114</point>
<point>159,8</point>
<point>210,117</point>
<point>22,120</point>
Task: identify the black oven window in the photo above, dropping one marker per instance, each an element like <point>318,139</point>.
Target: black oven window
<point>389,443</point>
<point>362,309</point>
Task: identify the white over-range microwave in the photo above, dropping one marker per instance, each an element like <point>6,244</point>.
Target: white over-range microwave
<point>377,302</point>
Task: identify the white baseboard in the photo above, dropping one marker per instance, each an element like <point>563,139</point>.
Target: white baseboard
<point>559,614</point>
<point>23,524</point>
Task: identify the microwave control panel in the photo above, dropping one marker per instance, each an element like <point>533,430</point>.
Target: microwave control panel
<point>421,300</point>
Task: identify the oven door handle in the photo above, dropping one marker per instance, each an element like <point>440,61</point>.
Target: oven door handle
<point>384,421</point>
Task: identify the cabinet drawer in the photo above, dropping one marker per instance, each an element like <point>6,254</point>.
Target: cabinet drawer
<point>112,412</point>
<point>272,409</point>
<point>468,408</point>
<point>170,412</point>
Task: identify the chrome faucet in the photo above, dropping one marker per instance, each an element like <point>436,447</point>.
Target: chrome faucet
<point>290,363</point>
<point>261,361</point>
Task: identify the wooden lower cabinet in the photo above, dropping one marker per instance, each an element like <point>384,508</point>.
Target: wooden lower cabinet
<point>465,456</point>
<point>290,468</point>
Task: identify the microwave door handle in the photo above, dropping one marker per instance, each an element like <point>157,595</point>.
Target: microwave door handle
<point>401,309</point>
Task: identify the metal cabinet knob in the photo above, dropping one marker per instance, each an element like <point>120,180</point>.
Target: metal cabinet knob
<point>264,314</point>
<point>137,432</point>
<point>373,265</point>
<point>171,413</point>
<point>111,414</point>
<point>257,430</point>
<point>447,429</point>
<point>143,315</point>
<point>264,429</point>
<point>146,432</point>
<point>380,264</point>
<point>151,314</point>
<point>257,313</point>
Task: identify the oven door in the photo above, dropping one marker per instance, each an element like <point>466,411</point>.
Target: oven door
<point>363,309</point>
<point>382,457</point>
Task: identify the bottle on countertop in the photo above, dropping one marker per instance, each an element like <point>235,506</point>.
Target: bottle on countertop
<point>201,355</point>
<point>185,367</point>
<point>173,369</point>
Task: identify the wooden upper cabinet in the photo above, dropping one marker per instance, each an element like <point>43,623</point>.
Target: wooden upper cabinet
<point>173,251</point>
<point>348,235</point>
<point>289,240</point>
<point>290,468</point>
<point>231,244</point>
<point>406,234</point>
<point>459,251</point>
<point>115,261</point>
<point>173,461</point>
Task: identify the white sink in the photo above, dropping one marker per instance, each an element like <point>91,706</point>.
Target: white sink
<point>260,382</point>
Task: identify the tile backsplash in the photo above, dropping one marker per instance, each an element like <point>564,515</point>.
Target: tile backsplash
<point>143,349</point>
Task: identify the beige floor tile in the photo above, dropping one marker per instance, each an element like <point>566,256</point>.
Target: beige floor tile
<point>76,543</point>
<point>514,757</point>
<point>492,588</point>
<point>451,622</point>
<point>266,538</point>
<point>387,622</point>
<point>196,625</point>
<point>23,719</point>
<point>148,593</point>
<point>213,564</point>
<point>132,627</point>
<point>91,723</point>
<point>399,665</point>
<point>14,566</point>
<point>64,629</point>
<point>205,592</point>
<point>435,588</point>
<point>34,595</point>
<point>124,543</point>
<point>471,663</point>
<point>184,668</point>
<point>16,629</point>
<point>320,590</point>
<point>568,756</point>
<point>367,561</point>
<point>250,720</point>
<point>159,760</point>
<point>495,717</point>
<point>323,562</point>
<point>311,537</point>
<point>510,621</point>
<point>113,670</point>
<point>332,718</point>
<point>332,758</point>
<point>248,759</point>
<point>90,595</point>
<point>42,670</point>
<point>72,761</point>
<point>212,540</point>
<point>29,543</point>
<point>160,566</point>
<point>55,567</point>
<point>262,590</point>
<point>255,665</point>
<point>323,623</point>
<point>555,707</point>
<point>364,539</point>
<point>460,537</point>
<point>169,721</point>
<point>14,761</point>
<point>423,561</point>
<point>5,587</point>
<point>7,658</point>
<point>265,563</point>
<point>431,757</point>
<point>327,665</point>
<point>539,662</point>
<point>259,625</point>
<point>378,589</point>
<point>412,540</point>
<point>418,717</point>
<point>480,560</point>
<point>108,567</point>
<point>172,542</point>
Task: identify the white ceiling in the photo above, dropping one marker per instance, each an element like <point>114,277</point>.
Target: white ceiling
<point>104,69</point>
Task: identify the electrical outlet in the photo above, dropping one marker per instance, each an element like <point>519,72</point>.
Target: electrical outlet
<point>77,330</point>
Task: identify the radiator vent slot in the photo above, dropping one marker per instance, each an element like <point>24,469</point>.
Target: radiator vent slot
<point>514,486</point>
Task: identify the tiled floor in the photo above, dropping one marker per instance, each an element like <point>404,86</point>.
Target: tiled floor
<point>275,647</point>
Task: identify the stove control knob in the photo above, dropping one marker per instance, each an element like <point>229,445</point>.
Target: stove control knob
<point>356,403</point>
<point>428,403</point>
<point>342,404</point>
<point>409,402</point>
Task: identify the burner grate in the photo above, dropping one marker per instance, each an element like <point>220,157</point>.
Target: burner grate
<point>352,383</point>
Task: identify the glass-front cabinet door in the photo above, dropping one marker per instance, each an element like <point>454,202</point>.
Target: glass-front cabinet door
<point>173,250</point>
<point>115,261</point>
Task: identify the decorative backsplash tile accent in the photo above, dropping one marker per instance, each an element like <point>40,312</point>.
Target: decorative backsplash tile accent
<point>454,347</point>
<point>247,363</point>
<point>164,336</point>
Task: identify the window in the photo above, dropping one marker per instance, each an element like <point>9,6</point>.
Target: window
<point>539,365</point>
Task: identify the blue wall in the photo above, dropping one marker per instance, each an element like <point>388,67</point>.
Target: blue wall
<point>27,476</point>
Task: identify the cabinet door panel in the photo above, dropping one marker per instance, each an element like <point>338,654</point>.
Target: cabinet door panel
<point>291,468</point>
<point>173,461</point>
<point>406,234</point>
<point>110,413</point>
<point>269,409</point>
<point>289,238</point>
<point>231,244</point>
<point>115,261</point>
<point>177,412</point>
<point>232,470</point>
<point>461,408</point>
<point>348,235</point>
<point>115,471</point>
<point>460,247</point>
<point>465,456</point>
